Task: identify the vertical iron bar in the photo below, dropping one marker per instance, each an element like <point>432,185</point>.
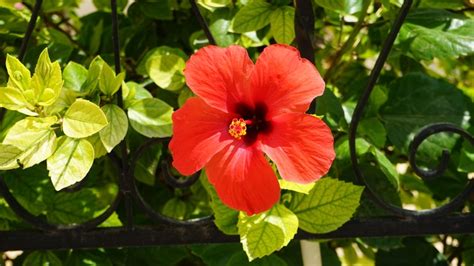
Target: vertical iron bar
<point>304,33</point>
<point>202,22</point>
<point>125,175</point>
<point>304,28</point>
<point>29,30</point>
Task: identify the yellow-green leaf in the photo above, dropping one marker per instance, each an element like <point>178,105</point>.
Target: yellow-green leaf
<point>329,205</point>
<point>12,98</point>
<point>99,149</point>
<point>151,117</point>
<point>165,67</point>
<point>74,76</point>
<point>35,137</point>
<point>264,233</point>
<point>175,208</point>
<point>115,131</point>
<point>70,162</point>
<point>47,81</point>
<point>83,119</point>
<point>20,76</point>
<point>301,188</point>
<point>109,84</point>
<point>8,156</point>
<point>282,24</point>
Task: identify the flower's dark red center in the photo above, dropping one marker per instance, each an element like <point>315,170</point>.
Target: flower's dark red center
<point>251,122</point>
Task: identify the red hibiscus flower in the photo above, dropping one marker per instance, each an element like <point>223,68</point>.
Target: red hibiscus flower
<point>243,111</point>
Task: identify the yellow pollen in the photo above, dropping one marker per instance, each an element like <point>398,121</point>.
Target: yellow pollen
<point>238,128</point>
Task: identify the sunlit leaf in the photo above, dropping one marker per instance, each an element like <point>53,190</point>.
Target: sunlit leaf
<point>328,206</point>
<point>116,129</point>
<point>8,157</point>
<point>20,76</point>
<point>35,137</point>
<point>301,188</point>
<point>83,119</point>
<point>264,233</point>
<point>70,162</point>
<point>74,76</point>
<point>151,117</point>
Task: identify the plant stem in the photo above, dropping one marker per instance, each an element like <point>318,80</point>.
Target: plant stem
<point>348,45</point>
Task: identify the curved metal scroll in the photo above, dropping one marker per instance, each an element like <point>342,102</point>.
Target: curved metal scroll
<point>455,203</point>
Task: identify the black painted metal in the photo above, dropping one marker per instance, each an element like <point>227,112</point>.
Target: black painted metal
<point>304,28</point>
<point>29,30</point>
<point>441,220</point>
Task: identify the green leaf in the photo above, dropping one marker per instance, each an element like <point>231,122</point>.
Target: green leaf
<point>185,94</point>
<point>282,23</point>
<point>373,130</point>
<point>31,188</point>
<point>219,25</point>
<point>386,166</point>
<point>301,188</point>
<point>47,81</point>
<point>83,119</point>
<point>88,258</point>
<point>112,221</point>
<point>78,207</point>
<point>214,3</point>
<point>151,117</point>
<point>443,4</point>
<point>93,75</point>
<point>264,233</point>
<point>12,98</point>
<point>327,207</point>
<point>70,162</point>
<point>342,6</point>
<point>162,256</point>
<point>43,258</point>
<point>254,16</point>
<point>175,208</point>
<point>211,254</point>
<point>35,137</point>
<point>109,84</point>
<point>104,5</point>
<point>242,260</point>
<point>147,164</point>
<point>342,148</point>
<point>165,67</point>
<point>426,254</point>
<point>74,76</point>
<point>156,9</point>
<point>96,142</point>
<point>330,107</point>
<point>417,100</point>
<point>225,218</point>
<point>116,129</point>
<point>20,76</point>
<point>430,33</point>
<point>8,156</point>
<point>466,161</point>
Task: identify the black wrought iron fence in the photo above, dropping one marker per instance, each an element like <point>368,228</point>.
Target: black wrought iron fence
<point>447,219</point>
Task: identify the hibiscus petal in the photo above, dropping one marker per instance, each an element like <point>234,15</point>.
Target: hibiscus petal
<point>243,179</point>
<point>301,145</point>
<point>284,81</point>
<point>219,75</point>
<point>199,132</point>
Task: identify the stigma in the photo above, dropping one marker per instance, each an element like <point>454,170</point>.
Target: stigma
<point>238,128</point>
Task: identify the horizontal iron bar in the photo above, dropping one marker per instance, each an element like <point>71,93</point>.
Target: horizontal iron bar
<point>201,234</point>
